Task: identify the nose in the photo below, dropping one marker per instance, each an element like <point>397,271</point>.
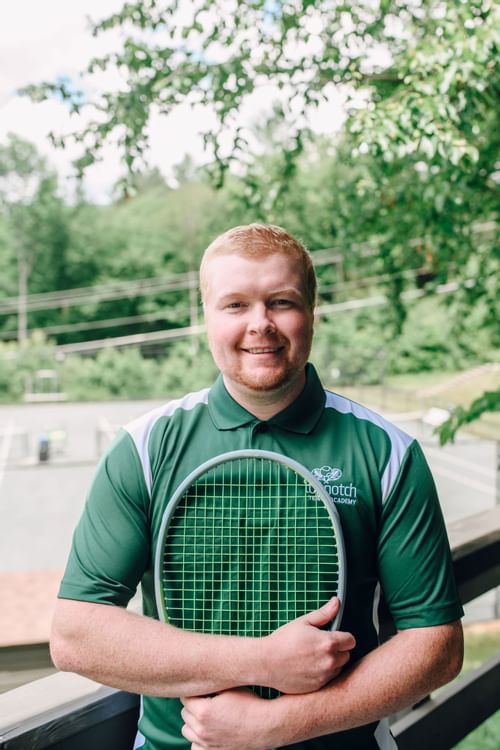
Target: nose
<point>261,321</point>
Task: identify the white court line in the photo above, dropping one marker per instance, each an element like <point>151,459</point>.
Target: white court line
<point>8,434</point>
<point>461,463</point>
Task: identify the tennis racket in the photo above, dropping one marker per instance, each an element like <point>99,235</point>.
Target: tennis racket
<point>249,541</point>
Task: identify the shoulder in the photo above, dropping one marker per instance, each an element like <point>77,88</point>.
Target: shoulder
<point>141,428</point>
<point>364,418</point>
<point>169,422</point>
<point>370,434</point>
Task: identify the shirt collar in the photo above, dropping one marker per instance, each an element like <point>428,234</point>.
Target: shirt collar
<point>301,416</point>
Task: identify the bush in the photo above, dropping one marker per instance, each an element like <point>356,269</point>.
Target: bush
<point>19,364</point>
<point>113,373</point>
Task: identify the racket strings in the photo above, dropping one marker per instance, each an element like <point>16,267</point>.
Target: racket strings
<point>249,548</point>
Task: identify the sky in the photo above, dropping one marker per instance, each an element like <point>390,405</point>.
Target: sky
<point>43,41</point>
<point>46,40</point>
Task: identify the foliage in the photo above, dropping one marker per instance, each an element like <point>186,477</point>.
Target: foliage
<point>20,169</point>
<point>35,221</point>
<point>489,401</point>
<point>159,232</point>
<point>426,74</point>
<point>429,340</point>
<point>351,348</point>
<point>19,364</point>
<point>125,374</point>
<point>112,373</point>
<point>421,79</point>
<point>432,134</point>
<point>410,184</point>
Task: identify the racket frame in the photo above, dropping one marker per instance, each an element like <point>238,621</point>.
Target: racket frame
<point>321,493</point>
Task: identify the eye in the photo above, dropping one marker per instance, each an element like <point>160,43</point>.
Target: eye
<point>281,303</point>
<point>234,306</point>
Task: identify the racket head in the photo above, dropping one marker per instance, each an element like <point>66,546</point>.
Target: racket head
<point>248,598</point>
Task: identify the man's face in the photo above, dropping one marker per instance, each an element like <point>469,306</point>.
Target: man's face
<point>259,324</point>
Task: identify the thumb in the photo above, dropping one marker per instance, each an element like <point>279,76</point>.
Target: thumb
<point>324,614</point>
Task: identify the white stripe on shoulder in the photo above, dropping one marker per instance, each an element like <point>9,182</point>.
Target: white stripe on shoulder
<point>400,440</point>
<point>140,429</point>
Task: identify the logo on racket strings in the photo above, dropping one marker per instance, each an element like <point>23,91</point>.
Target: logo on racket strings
<point>339,491</point>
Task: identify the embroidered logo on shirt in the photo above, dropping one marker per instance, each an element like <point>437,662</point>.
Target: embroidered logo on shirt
<point>345,494</point>
<point>327,474</point>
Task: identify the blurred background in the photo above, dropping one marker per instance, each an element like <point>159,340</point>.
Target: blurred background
<point>132,134</point>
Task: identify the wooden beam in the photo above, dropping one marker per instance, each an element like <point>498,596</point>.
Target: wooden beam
<point>442,721</point>
<point>475,544</point>
<point>27,656</point>
<point>70,709</point>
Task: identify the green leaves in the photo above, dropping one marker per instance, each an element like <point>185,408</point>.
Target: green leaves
<point>415,175</point>
<point>488,402</point>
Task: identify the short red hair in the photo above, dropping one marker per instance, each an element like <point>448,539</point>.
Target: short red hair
<point>257,241</point>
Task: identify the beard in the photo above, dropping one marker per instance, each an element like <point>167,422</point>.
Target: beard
<point>266,379</point>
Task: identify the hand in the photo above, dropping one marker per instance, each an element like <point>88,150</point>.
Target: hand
<point>231,719</point>
<point>301,658</point>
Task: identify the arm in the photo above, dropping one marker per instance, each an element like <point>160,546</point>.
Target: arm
<point>393,676</point>
<point>120,648</point>
<point>94,635</point>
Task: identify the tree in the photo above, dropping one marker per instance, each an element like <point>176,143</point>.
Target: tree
<point>421,84</point>
<point>22,172</point>
<point>219,52</point>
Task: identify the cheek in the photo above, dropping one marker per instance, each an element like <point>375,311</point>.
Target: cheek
<point>222,335</point>
<point>301,331</point>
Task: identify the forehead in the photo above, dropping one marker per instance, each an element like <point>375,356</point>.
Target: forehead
<point>230,273</point>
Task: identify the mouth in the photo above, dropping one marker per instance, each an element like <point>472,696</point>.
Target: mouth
<point>263,349</point>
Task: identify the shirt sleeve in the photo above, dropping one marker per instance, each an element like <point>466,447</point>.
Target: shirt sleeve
<point>111,544</point>
<point>415,566</point>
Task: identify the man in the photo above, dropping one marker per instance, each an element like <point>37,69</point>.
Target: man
<point>258,289</point>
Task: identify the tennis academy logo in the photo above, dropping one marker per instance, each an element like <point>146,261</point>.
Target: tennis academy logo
<point>338,491</point>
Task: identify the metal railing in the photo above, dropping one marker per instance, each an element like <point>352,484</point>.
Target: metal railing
<point>68,712</point>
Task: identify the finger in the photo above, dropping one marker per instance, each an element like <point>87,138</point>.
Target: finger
<point>189,733</point>
<point>341,659</point>
<point>192,701</point>
<point>324,614</point>
<point>191,724</point>
<point>343,641</point>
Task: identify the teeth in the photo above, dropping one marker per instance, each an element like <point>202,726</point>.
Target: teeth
<point>263,350</point>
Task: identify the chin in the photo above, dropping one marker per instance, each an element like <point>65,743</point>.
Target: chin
<point>265,381</point>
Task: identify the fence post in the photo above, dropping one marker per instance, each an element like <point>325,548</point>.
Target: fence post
<point>496,605</point>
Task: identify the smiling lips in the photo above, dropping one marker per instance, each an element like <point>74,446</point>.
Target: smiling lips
<point>263,349</point>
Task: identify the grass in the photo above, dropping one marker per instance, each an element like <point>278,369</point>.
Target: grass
<point>409,393</point>
<point>481,642</point>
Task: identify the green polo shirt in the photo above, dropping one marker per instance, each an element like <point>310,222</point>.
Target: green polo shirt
<point>377,475</point>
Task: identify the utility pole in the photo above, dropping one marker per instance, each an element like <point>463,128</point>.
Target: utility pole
<point>22,291</point>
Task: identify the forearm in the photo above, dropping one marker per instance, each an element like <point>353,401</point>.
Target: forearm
<point>120,648</point>
<point>396,675</point>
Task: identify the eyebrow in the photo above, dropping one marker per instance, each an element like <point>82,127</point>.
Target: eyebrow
<point>288,292</point>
